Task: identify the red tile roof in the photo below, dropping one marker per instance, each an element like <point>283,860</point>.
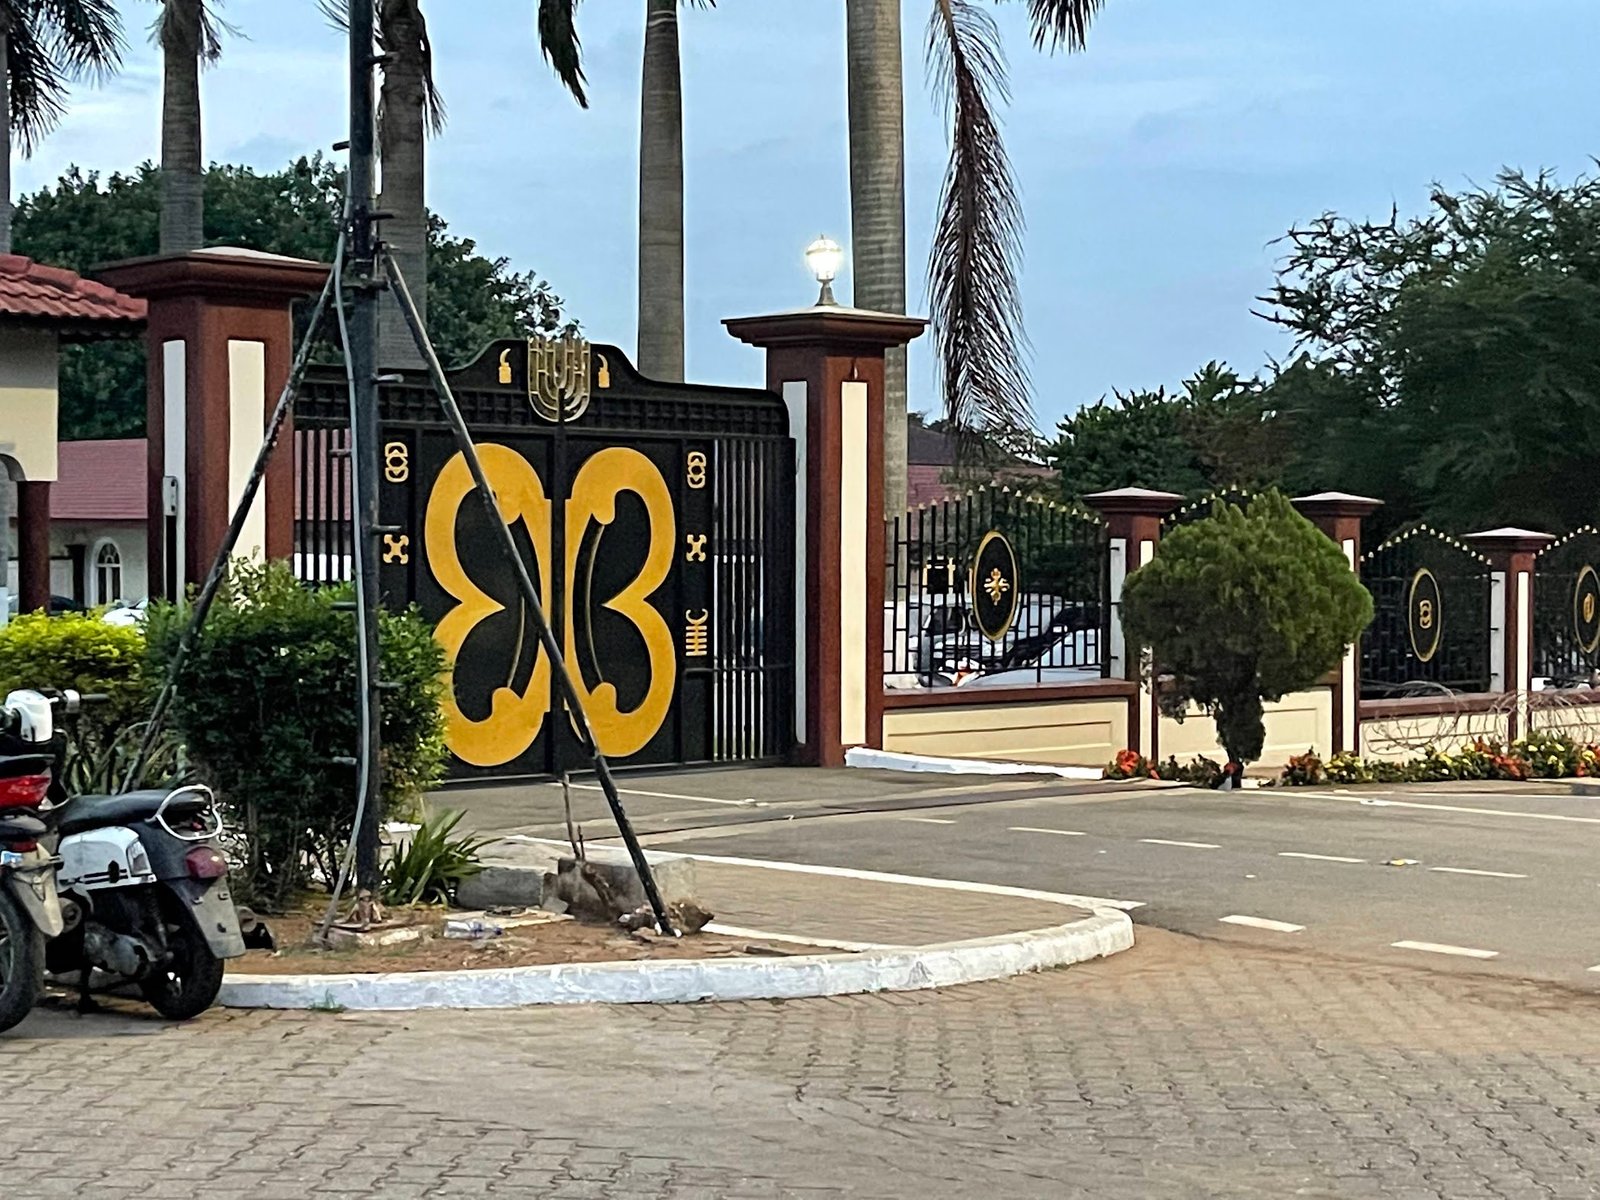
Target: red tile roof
<point>38,294</point>
<point>100,481</point>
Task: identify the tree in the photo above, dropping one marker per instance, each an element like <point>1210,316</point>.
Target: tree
<point>1453,357</point>
<point>86,220</point>
<point>43,45</point>
<point>876,95</point>
<point>410,108</point>
<point>1242,607</point>
<point>190,36</point>
<point>661,195</point>
<point>1216,432</point>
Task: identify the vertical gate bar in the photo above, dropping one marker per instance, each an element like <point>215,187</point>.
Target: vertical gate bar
<point>724,601</point>
<point>748,629</point>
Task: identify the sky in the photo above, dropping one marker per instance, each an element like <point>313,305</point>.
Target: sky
<point>1156,169</point>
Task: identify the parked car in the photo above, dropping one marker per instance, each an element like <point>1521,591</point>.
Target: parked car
<point>126,614</point>
<point>58,605</point>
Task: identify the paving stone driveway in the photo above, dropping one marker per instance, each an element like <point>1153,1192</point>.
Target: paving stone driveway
<point>1179,1069</point>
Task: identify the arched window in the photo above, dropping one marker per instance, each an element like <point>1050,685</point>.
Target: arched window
<point>107,573</point>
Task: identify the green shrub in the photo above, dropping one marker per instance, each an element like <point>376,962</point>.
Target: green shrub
<point>432,864</point>
<point>268,701</point>
<point>82,652</point>
<point>1347,768</point>
<point>1304,770</point>
<point>1242,607</point>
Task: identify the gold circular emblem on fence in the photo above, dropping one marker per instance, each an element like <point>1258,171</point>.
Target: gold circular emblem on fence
<point>1425,615</point>
<point>994,586</point>
<point>1586,609</point>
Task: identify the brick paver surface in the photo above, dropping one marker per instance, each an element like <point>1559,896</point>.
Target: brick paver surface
<point>1179,1069</point>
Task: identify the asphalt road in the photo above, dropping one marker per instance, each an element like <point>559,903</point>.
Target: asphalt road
<point>1504,882</point>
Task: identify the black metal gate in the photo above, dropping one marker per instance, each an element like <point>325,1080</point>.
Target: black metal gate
<point>1432,623</point>
<point>656,520</point>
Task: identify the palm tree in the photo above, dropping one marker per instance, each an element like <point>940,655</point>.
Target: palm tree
<point>661,194</point>
<point>878,204</point>
<point>979,343</point>
<point>43,45</point>
<point>190,37</point>
<point>409,109</point>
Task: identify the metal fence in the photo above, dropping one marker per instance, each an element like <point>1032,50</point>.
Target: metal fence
<point>994,587</point>
<point>1566,609</point>
<point>1197,510</point>
<point>1432,623</point>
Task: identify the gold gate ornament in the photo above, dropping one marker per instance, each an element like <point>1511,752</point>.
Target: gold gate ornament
<point>558,377</point>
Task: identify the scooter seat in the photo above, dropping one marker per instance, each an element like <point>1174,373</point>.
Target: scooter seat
<point>96,812</point>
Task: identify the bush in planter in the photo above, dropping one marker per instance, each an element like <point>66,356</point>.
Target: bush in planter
<point>268,700</point>
<point>1242,607</point>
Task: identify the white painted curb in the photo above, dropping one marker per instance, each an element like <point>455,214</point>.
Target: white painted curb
<point>889,760</point>
<point>683,981</point>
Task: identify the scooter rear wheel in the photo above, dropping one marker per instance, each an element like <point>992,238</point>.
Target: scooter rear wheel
<point>21,961</point>
<point>188,984</point>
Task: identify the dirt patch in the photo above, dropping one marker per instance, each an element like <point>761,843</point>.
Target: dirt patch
<point>519,946</point>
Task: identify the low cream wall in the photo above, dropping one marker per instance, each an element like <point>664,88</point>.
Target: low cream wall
<point>1396,738</point>
<point>1581,722</point>
<point>1295,724</point>
<point>28,361</point>
<point>1063,733</point>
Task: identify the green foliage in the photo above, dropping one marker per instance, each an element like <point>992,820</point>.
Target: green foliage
<point>1199,771</point>
<point>433,863</point>
<point>1213,434</point>
<point>1243,607</point>
<point>1541,755</point>
<point>86,220</point>
<point>268,701</point>
<point>81,652</point>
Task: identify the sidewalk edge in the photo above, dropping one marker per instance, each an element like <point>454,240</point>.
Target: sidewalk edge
<point>893,760</point>
<point>684,981</point>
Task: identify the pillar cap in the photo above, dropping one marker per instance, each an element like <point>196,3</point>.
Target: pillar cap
<point>830,325</point>
<point>1510,540</point>
<point>1134,502</point>
<point>229,273</point>
<point>1336,504</point>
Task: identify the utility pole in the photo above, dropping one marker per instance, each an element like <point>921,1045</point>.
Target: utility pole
<point>364,449</point>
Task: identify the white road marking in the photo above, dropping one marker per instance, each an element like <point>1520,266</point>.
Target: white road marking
<point>1261,923</point>
<point>764,936</point>
<point>930,820</point>
<point>1459,808</point>
<point>1437,948</point>
<point>1596,969</point>
<point>1319,857</point>
<point>595,787</point>
<point>1036,829</point>
<point>1470,871</point>
<point>1190,845</point>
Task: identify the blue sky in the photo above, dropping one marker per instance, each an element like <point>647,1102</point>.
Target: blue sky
<point>1156,169</point>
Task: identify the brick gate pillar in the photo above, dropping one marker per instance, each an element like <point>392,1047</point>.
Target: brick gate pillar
<point>827,364</point>
<point>1511,553</point>
<point>1339,515</point>
<point>220,340</point>
<point>1133,523</point>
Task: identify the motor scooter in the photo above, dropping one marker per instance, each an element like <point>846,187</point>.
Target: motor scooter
<point>142,881</point>
<point>30,910</point>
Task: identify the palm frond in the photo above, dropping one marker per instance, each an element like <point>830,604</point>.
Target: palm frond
<point>1058,23</point>
<point>558,40</point>
<point>207,35</point>
<point>50,43</point>
<point>337,14</point>
<point>979,343</point>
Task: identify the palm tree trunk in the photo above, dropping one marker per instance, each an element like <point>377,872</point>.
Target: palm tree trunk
<point>182,177</point>
<point>5,142</point>
<point>878,204</point>
<point>402,153</point>
<point>661,197</point>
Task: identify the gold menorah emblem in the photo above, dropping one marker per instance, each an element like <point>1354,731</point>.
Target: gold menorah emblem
<point>558,377</point>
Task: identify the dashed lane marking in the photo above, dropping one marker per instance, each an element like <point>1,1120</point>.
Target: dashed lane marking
<point>1189,845</point>
<point>930,820</point>
<point>1371,802</point>
<point>1261,923</point>
<point>1036,829</point>
<point>1439,948</point>
<point>1338,858</point>
<point>1471,871</point>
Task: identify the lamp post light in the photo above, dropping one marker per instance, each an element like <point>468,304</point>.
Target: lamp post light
<point>823,256</point>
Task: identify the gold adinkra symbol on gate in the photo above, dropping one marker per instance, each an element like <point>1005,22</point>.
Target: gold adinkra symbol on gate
<point>397,549</point>
<point>1425,614</point>
<point>996,586</point>
<point>696,637</point>
<point>558,377</point>
<point>396,462</point>
<point>696,547</point>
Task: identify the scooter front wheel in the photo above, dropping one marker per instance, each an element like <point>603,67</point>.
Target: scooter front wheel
<point>21,961</point>
<point>188,983</point>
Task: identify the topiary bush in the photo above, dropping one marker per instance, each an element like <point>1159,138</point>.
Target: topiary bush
<point>1244,607</point>
<point>268,701</point>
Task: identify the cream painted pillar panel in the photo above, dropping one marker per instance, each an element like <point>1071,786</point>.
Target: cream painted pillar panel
<point>853,564</point>
<point>247,422</point>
